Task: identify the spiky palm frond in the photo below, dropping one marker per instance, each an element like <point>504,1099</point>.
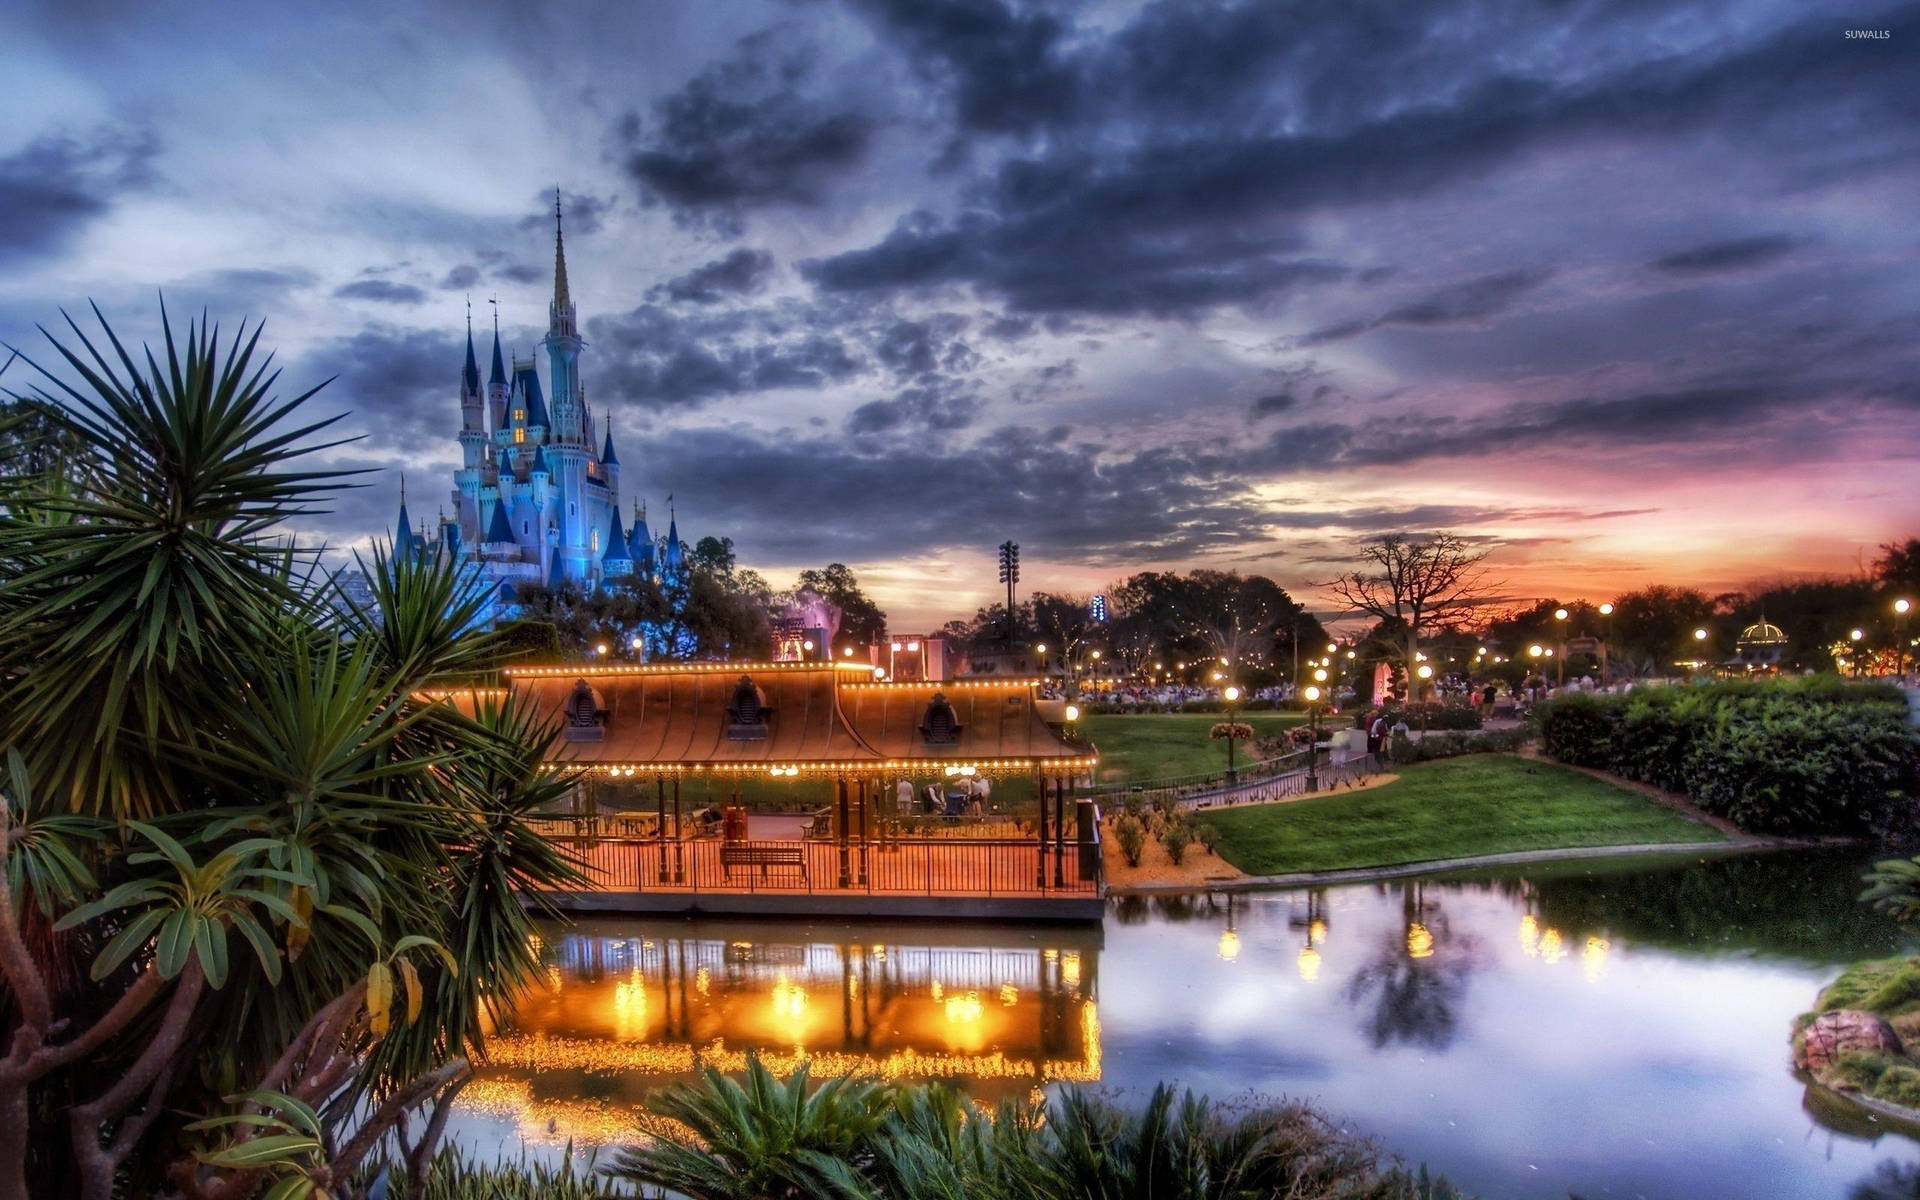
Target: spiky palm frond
<point>758,1138</point>
<point>424,619</point>
<point>156,566</point>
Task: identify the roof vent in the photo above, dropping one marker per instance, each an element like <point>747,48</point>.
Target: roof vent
<point>747,714</point>
<point>586,714</point>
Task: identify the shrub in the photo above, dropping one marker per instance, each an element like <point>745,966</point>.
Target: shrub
<point>1176,840</point>
<point>1429,714</point>
<point>1452,745</point>
<point>1817,756</point>
<point>1899,1084</point>
<point>1132,836</point>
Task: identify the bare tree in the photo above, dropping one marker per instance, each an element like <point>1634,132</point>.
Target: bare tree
<point>1414,586</point>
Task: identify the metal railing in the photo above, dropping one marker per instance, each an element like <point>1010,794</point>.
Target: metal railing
<point>1290,785</point>
<point>1182,786</point>
<point>902,866</point>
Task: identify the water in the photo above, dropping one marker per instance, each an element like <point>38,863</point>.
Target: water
<point>1604,1031</point>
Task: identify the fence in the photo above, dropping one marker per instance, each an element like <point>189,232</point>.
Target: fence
<point>908,866</point>
<point>1183,788</point>
<point>1286,787</point>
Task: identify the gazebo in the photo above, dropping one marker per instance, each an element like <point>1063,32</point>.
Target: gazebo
<point>669,723</point>
<point>1760,647</point>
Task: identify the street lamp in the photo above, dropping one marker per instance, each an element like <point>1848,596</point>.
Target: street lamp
<point>1426,673</point>
<point>1233,698</point>
<point>1855,637</point>
<point>1312,695</point>
<point>1900,608</point>
<point>1560,671</point>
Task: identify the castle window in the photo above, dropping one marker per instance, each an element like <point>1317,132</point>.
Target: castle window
<point>596,541</point>
<point>519,435</point>
<point>569,508</point>
<point>520,414</point>
<point>523,527</point>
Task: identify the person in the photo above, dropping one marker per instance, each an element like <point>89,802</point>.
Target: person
<point>1488,696</point>
<point>1401,728</point>
<point>1377,733</point>
<point>903,797</point>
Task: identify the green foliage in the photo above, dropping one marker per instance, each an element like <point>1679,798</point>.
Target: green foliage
<point>1859,1070</point>
<point>854,1140</point>
<point>229,793</point>
<point>1404,750</point>
<point>453,1175</point>
<point>1175,841</point>
<point>1131,834</point>
<point>1434,714</point>
<point>1805,756</point>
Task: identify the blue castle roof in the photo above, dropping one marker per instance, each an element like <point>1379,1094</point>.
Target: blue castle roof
<point>403,534</point>
<point>540,461</point>
<point>607,456</point>
<point>616,541</point>
<point>528,380</point>
<point>498,529</point>
<point>470,374</point>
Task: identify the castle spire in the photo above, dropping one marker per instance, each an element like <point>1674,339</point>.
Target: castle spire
<point>607,456</point>
<point>561,300</point>
<point>470,374</point>
<point>499,372</point>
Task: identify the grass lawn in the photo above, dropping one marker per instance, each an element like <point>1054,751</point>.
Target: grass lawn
<point>1476,804</point>
<point>1156,745</point>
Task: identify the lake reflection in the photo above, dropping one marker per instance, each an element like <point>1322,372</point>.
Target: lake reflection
<point>629,1006</point>
<point>1593,1030</point>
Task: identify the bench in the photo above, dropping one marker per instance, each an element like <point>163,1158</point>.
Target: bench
<point>764,855</point>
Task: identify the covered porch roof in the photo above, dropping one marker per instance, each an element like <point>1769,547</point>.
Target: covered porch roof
<point>794,717</point>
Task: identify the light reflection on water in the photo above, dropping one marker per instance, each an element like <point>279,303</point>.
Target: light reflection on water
<point>1603,1031</point>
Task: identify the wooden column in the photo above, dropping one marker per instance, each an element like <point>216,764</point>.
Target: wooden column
<point>865,798</point>
<point>1040,879</point>
<point>679,840</point>
<point>660,823</point>
<point>1060,831</point>
<point>840,790</point>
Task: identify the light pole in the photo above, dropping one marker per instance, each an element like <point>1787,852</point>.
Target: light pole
<point>1426,673</point>
<point>1856,637</point>
<point>1312,695</point>
<point>1560,670</point>
<point>1233,698</point>
<point>1900,608</point>
<point>1606,663</point>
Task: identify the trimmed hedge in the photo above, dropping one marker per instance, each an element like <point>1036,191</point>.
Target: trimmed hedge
<point>1436,714</point>
<point>1816,756</point>
<point>1403,750</point>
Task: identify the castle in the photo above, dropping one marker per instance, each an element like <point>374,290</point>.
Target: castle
<point>534,502</point>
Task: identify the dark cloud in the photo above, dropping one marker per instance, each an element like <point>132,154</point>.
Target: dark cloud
<point>1274,405</point>
<point>938,406</point>
<point>584,213</point>
<point>521,273</point>
<point>663,357</point>
<point>741,272</point>
<point>1139,203</point>
<point>1730,255</point>
<point>1466,302</point>
<point>398,385</point>
<point>461,278</point>
<point>383,290</point>
<point>742,135</point>
<point>54,186</point>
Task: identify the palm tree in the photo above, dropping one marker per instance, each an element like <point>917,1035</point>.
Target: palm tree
<point>225,785</point>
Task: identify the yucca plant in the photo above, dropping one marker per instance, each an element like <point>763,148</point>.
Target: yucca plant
<point>250,866</point>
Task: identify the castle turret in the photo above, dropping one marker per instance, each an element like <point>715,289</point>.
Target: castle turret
<point>474,459</point>
<point>563,348</point>
<point>497,384</point>
<point>640,542</point>
<point>616,560</point>
<point>403,528</point>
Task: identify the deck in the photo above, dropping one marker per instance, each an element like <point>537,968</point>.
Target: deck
<point>947,878</point>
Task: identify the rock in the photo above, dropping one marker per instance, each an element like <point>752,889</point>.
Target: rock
<point>1833,1034</point>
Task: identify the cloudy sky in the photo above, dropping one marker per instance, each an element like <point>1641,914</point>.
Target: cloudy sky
<point>1626,289</point>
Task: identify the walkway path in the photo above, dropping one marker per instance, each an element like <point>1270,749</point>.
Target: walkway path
<point>1305,879</point>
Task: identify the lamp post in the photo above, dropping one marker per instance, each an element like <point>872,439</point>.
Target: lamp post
<point>1560,670</point>
<point>1606,663</point>
<point>1312,694</point>
<point>1900,608</point>
<point>1856,637</point>
<point>1426,673</point>
<point>1232,695</point>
